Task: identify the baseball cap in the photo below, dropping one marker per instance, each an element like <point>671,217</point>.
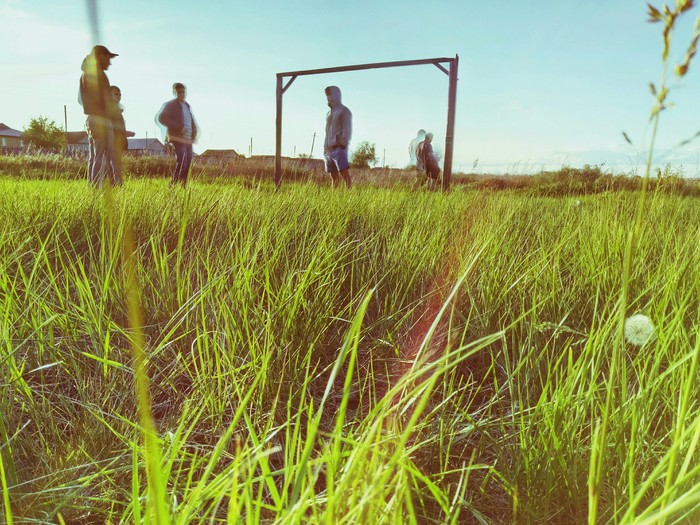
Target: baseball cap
<point>102,50</point>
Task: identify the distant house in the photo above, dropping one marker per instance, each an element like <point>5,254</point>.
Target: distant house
<point>77,142</point>
<point>218,154</point>
<point>10,140</point>
<point>141,147</point>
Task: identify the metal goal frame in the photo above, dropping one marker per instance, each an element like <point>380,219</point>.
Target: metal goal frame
<point>450,71</point>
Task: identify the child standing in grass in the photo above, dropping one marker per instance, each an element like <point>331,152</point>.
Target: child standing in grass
<point>120,142</point>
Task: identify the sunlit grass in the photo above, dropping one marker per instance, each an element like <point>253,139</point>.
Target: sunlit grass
<point>232,354</point>
<point>273,322</point>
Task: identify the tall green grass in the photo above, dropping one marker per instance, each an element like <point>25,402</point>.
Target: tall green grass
<point>273,325</point>
<point>231,354</point>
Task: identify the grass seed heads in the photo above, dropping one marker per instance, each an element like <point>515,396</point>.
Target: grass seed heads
<point>639,330</point>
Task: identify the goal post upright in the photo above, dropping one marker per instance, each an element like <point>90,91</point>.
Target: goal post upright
<point>450,133</point>
<point>278,135</point>
<point>451,103</point>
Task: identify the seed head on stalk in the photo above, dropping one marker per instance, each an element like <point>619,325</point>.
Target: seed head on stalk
<point>639,330</point>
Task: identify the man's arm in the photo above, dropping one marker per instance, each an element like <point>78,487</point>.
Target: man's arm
<point>345,129</point>
<point>166,117</point>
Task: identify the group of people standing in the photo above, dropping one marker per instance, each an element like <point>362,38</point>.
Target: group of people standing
<point>107,136</point>
<point>339,131</point>
<point>420,151</point>
<point>107,131</point>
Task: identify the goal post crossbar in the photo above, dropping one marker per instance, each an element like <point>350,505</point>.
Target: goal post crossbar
<point>358,67</point>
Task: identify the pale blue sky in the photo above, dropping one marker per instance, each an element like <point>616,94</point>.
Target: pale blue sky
<point>541,84</point>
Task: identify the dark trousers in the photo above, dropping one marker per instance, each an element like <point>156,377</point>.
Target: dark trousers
<point>183,156</point>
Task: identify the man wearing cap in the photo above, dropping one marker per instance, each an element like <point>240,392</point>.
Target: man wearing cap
<point>101,110</point>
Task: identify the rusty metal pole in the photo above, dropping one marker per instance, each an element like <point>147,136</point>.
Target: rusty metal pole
<point>450,134</point>
<point>278,135</point>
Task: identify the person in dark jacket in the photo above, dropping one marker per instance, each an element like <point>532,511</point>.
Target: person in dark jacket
<point>338,134</point>
<point>120,142</point>
<point>101,110</point>
<point>176,115</point>
<point>425,153</point>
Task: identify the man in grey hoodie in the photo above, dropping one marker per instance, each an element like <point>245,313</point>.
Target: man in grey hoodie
<point>338,134</point>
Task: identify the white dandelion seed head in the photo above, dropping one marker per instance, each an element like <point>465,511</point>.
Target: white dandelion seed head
<point>639,330</point>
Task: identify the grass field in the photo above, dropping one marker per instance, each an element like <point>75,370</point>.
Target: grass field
<point>363,356</point>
